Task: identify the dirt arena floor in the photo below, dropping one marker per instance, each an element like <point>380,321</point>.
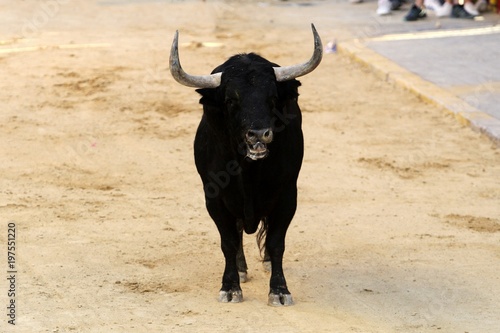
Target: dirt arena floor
<point>398,224</point>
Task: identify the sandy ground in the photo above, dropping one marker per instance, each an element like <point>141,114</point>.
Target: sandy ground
<point>398,224</point>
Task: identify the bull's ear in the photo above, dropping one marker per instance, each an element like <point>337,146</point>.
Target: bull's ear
<point>288,89</point>
<point>208,96</point>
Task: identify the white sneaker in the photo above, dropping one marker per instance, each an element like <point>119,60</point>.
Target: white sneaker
<point>444,10</point>
<point>432,4</point>
<point>355,1</point>
<point>471,9</point>
<point>384,7</point>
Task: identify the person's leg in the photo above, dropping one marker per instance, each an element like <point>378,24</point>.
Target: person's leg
<point>482,5</point>
<point>470,8</point>
<point>445,9</point>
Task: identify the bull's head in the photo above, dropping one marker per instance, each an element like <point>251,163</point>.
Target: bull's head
<point>246,89</point>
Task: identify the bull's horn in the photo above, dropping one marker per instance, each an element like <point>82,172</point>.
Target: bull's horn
<point>291,72</point>
<point>197,81</point>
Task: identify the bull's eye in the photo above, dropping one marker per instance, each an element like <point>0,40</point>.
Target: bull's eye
<point>230,103</point>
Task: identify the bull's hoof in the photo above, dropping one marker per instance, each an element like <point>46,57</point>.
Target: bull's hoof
<point>243,277</point>
<point>280,300</point>
<point>230,296</point>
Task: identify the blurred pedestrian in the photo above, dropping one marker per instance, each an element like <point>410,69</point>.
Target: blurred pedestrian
<point>386,6</point>
<point>448,8</point>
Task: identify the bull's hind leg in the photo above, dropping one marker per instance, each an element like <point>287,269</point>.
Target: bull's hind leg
<point>266,263</point>
<point>230,244</point>
<point>279,220</point>
<point>241,262</point>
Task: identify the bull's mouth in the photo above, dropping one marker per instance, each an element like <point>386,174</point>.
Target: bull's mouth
<point>257,151</point>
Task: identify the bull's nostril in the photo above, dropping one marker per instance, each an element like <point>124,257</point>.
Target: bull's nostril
<point>251,135</point>
<point>267,136</point>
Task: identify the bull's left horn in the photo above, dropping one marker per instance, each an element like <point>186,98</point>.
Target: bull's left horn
<point>291,72</point>
<point>197,81</point>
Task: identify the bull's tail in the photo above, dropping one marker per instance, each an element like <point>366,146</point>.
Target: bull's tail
<point>261,238</point>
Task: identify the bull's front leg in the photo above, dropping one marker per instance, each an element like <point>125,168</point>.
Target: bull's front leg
<point>278,223</point>
<point>230,290</point>
<point>278,293</point>
<point>230,244</point>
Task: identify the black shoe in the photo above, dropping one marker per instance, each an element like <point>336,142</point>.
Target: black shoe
<point>459,12</point>
<point>396,4</point>
<point>415,13</point>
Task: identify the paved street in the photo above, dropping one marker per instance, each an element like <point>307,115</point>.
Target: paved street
<point>459,58</point>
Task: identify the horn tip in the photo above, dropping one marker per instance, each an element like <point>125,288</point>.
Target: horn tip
<point>317,38</point>
<point>315,32</point>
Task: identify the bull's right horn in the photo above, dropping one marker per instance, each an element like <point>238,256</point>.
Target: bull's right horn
<point>291,72</point>
<point>196,81</point>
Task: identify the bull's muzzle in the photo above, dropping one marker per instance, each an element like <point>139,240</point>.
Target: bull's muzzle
<point>263,135</point>
<point>257,141</point>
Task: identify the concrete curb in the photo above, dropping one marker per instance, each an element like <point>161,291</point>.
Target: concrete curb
<point>392,72</point>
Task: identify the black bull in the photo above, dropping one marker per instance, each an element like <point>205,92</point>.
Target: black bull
<point>248,151</point>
